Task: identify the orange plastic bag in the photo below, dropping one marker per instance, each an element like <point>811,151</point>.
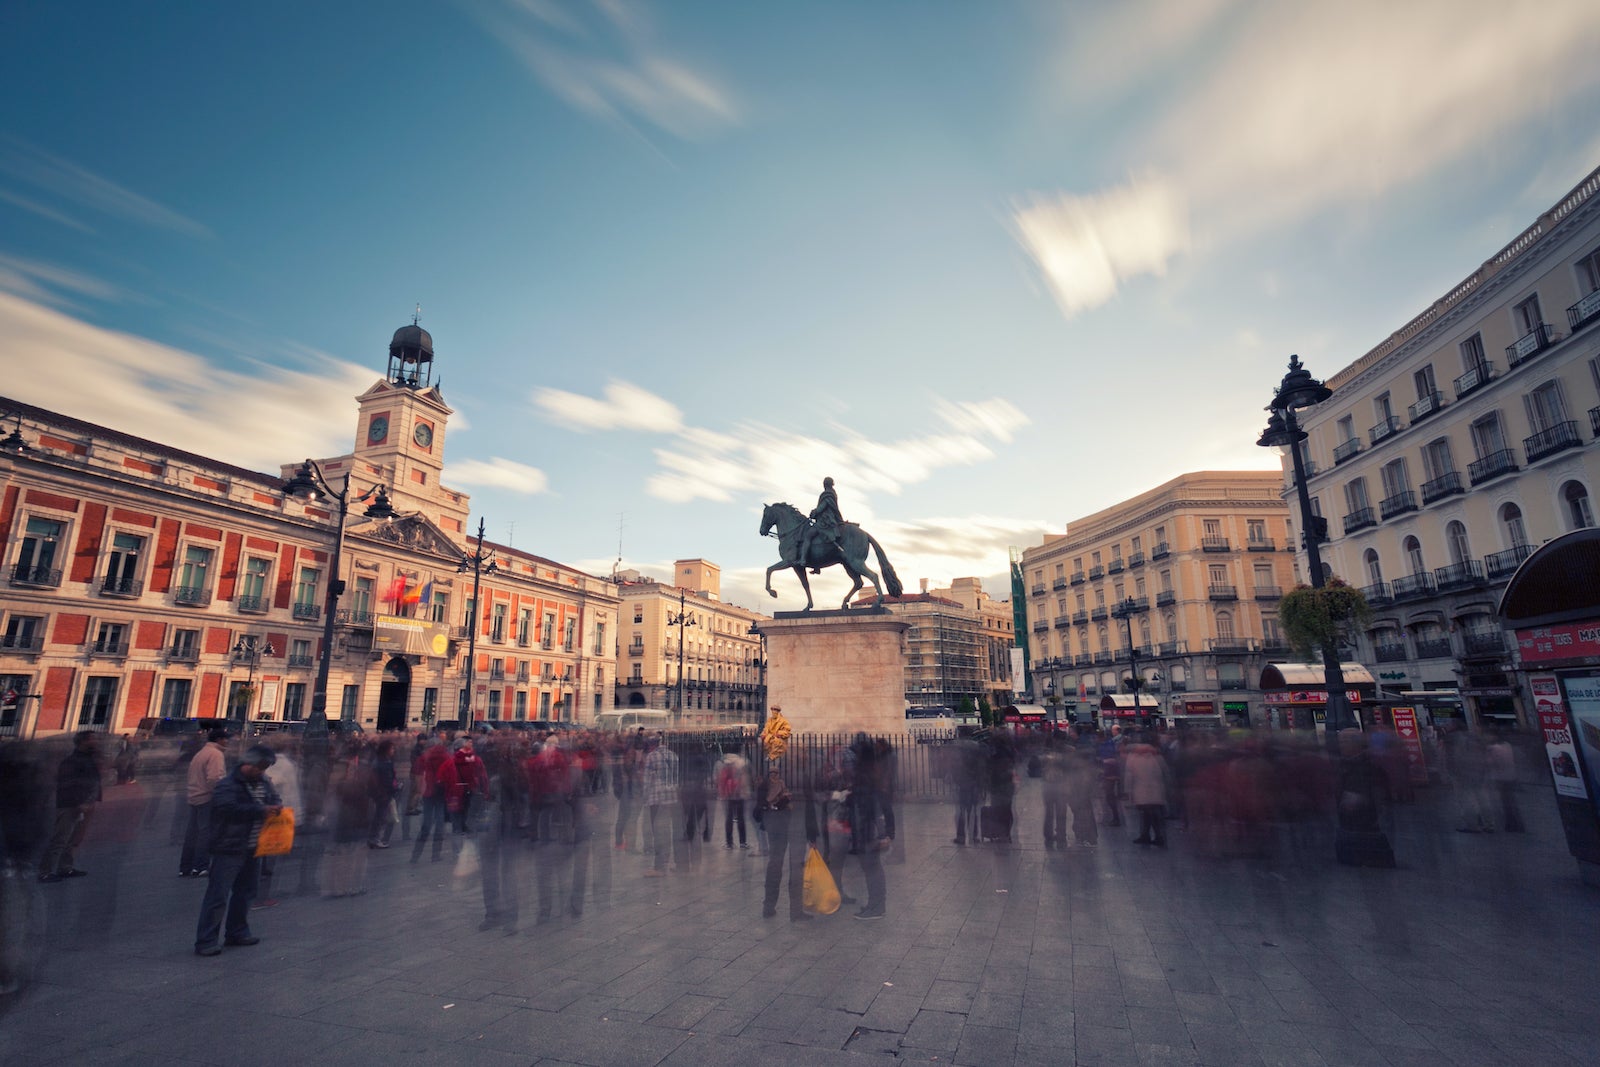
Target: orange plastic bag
<point>277,834</point>
<point>821,894</point>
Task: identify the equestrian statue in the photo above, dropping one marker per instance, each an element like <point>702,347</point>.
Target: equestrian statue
<point>823,540</point>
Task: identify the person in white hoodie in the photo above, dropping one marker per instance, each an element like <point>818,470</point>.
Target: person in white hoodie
<point>285,778</point>
<point>207,768</point>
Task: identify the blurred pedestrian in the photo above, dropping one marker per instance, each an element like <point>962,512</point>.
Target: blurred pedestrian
<point>1468,777</point>
<point>1502,766</point>
<point>786,844</point>
<point>240,803</point>
<point>284,774</point>
<point>77,792</point>
<point>733,789</point>
<point>1144,779</point>
<point>871,834</point>
<point>385,785</point>
<point>966,765</point>
<point>660,794</point>
<point>435,807</point>
<point>206,769</point>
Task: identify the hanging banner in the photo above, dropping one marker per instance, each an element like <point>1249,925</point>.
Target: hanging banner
<point>1558,740</point>
<point>418,637</point>
<point>1307,696</point>
<point>1405,727</point>
<point>1019,674</point>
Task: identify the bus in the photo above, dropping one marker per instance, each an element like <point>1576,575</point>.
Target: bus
<point>632,719</point>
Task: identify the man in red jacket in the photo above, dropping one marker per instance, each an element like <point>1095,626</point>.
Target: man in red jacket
<point>462,778</point>
<point>433,799</point>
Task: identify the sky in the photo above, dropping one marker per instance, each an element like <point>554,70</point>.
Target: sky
<point>992,267</point>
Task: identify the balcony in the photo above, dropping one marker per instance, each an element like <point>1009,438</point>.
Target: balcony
<point>183,654</point>
<point>1177,685</point>
<point>1080,617</point>
<point>1078,578</point>
<point>1099,613</point>
<point>1104,658</point>
<point>1261,544</point>
<point>354,617</point>
<point>193,596</point>
<point>1442,486</point>
<point>1060,582</point>
<point>1359,519</point>
<point>22,644</point>
<point>1268,592</point>
<point>1468,574</point>
<point>36,577</point>
<point>1346,450</point>
<point>1161,551</point>
<point>1041,626</point>
<point>1230,644</point>
<point>1584,311</point>
<point>1083,659</point>
<point>301,659</point>
<point>1138,603</point>
<point>497,635</point>
<point>1492,466</point>
<point>1483,643</point>
<point>306,612</point>
<point>1165,597</point>
<point>1594,421</point>
<point>1096,573</point>
<point>1425,406</point>
<point>1528,345</point>
<point>1135,559</point>
<point>636,650</point>
<point>497,673</point>
<point>1476,378</point>
<point>245,604</point>
<point>1434,648</point>
<point>1558,438</point>
<point>1232,683</point>
<point>1502,564</point>
<point>1377,593</point>
<point>107,649</point>
<point>1413,587</point>
<point>1214,543</point>
<point>1222,592</point>
<point>1037,590</point>
<point>122,588</point>
<point>1387,428</point>
<point>1171,648</point>
<point>1390,653</point>
<point>1398,504</point>
<point>1063,622</point>
<point>1114,567</point>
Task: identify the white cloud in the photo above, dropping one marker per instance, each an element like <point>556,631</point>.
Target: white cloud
<point>1088,245</point>
<point>609,67</point>
<point>625,407</point>
<point>37,281</point>
<point>65,180</point>
<point>500,473</point>
<point>257,420</point>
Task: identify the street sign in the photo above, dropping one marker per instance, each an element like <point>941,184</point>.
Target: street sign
<point>1405,726</point>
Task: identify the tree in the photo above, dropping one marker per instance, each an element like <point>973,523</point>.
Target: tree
<point>1314,619</point>
<point>985,712</point>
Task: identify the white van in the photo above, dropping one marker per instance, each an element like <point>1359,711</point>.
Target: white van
<point>629,719</point>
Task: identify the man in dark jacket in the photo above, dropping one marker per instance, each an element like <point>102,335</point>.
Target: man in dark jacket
<point>240,803</point>
<point>77,792</point>
<point>786,842</point>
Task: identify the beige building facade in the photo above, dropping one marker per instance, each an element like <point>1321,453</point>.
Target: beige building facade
<point>722,660</point>
<point>1191,571</point>
<point>1452,450</point>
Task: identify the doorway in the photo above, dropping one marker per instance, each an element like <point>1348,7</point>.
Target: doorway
<point>394,694</point>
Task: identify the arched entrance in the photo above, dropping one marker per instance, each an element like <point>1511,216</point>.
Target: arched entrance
<point>635,699</point>
<point>393,694</point>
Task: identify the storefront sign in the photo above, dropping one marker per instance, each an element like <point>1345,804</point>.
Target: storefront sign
<point>1546,644</point>
<point>1308,696</point>
<point>1199,707</point>
<point>1582,700</point>
<point>416,637</point>
<point>1558,740</point>
<point>1405,727</point>
<point>1395,676</point>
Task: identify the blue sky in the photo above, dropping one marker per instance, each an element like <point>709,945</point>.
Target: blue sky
<point>990,266</point>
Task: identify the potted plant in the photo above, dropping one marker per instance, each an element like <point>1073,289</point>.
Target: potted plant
<point>1315,619</point>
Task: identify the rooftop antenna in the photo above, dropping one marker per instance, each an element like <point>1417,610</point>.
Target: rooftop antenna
<point>511,533</point>
<point>616,568</point>
<point>416,316</point>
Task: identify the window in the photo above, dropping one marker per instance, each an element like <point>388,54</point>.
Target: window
<point>1355,495</point>
<point>122,566</point>
<point>1271,632</point>
<point>1575,501</point>
<point>36,560</point>
<point>1144,631</point>
<point>525,627</point>
<point>570,638</point>
<point>1588,269</point>
<point>1105,639</point>
<point>1347,428</point>
<point>1224,626</point>
<point>99,696</point>
<point>1138,587</point>
<point>1263,575</point>
<point>1374,566</point>
<point>1116,552</point>
<point>638,614</point>
<point>294,701</point>
<point>1383,408</point>
<point>1256,531</point>
<point>23,632</point>
<point>600,639</point>
<point>1546,410</point>
<point>175,698</point>
<point>430,703</point>
<point>1436,459</point>
<point>110,639</point>
<point>441,607</point>
<point>1166,581</point>
<point>1218,574</point>
<point>305,588</point>
<point>1488,436</point>
<point>361,599</point>
<point>195,575</point>
<point>1527,316</point>
<point>1396,480</point>
<point>1094,559</point>
<point>254,583</point>
<point>300,652</point>
<point>547,632</point>
<point>1511,523</point>
<point>1413,551</point>
<point>12,686</point>
<point>1423,379</point>
<point>1211,527</point>
<point>1169,626</point>
<point>521,701</point>
<point>544,705</point>
<point>185,645</point>
<point>1455,536</point>
<point>1472,358</point>
<point>1138,545</point>
<point>349,703</point>
<point>494,705</point>
<point>497,622</point>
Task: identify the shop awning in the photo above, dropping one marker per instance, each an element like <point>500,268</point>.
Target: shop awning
<point>1301,676</point>
<point>1124,702</point>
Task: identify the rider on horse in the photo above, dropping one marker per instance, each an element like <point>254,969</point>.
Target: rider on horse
<point>825,520</point>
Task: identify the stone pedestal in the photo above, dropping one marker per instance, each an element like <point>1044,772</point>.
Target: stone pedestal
<point>838,671</point>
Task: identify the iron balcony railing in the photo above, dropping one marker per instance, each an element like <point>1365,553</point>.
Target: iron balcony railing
<point>1268,592</point>
<point>1359,519</point>
<point>1037,590</point>
<point>1261,544</point>
<point>22,643</point>
<point>1165,597</point>
<point>1231,644</point>
<point>1041,625</point>
<point>353,617</point>
<point>497,674</point>
<point>1346,450</point>
<point>1502,564</point>
<point>121,587</point>
<point>306,612</point>
<point>1475,378</point>
<point>1081,616</point>
<point>1098,613</point>
<point>1425,406</point>
<point>1232,683</point>
<point>1492,466</point>
<point>1434,648</point>
<point>1136,559</point>
<point>1063,622</point>
<point>1171,648</point>
<point>1389,653</point>
<point>42,577</point>
<point>1584,311</point>
<point>1398,504</point>
<point>1445,485</point>
<point>1102,659</point>
<point>1483,642</point>
<point>1114,567</point>
<point>1387,428</point>
<point>1059,582</point>
<point>193,596</point>
<point>183,654</point>
<point>1083,659</point>
<point>1377,593</point>
<point>1528,345</point>
<point>301,659</point>
<point>1594,421</point>
<point>1078,577</point>
<point>1096,573</point>
<point>249,604</point>
<point>1217,591</point>
<point>1161,551</point>
<point>1467,574</point>
<point>110,648</point>
<point>1413,586</point>
<point>1214,543</point>
<point>1558,438</point>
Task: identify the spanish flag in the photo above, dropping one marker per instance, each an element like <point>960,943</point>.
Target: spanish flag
<point>397,592</point>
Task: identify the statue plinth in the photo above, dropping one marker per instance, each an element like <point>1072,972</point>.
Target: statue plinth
<point>838,671</point>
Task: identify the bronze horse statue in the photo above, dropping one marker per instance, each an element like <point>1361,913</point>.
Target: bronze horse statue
<point>849,552</point>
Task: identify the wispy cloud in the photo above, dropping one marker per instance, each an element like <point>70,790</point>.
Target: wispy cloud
<point>32,206</point>
<point>500,473</point>
<point>64,180</point>
<point>624,407</point>
<point>257,420</point>
<point>1086,246</point>
<point>604,60</point>
<point>42,282</point>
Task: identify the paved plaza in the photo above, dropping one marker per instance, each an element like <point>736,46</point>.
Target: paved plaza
<point>1479,950</point>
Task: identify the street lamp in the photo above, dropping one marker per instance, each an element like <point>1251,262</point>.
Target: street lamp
<point>760,664</point>
<point>1300,390</point>
<point>1135,681</point>
<point>479,563</point>
<point>13,441</point>
<point>308,484</point>
<point>680,620</point>
<point>250,649</point>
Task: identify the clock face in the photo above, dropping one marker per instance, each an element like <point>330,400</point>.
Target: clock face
<point>423,434</point>
<point>377,430</point>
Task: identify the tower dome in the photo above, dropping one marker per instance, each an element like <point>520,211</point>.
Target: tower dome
<point>411,357</point>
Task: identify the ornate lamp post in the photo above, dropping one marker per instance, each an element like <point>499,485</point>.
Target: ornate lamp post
<point>1126,611</point>
<point>308,484</point>
<point>680,620</point>
<point>760,664</point>
<point>1298,391</point>
<point>250,649</point>
<point>479,563</point>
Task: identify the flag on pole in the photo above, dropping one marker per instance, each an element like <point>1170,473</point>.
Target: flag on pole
<point>396,592</point>
<point>425,594</point>
<point>413,595</point>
